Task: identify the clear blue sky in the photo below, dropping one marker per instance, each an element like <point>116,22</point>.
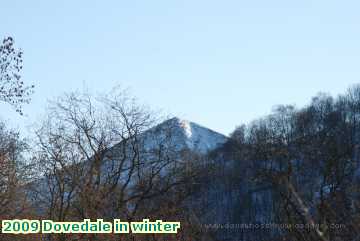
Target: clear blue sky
<point>218,63</point>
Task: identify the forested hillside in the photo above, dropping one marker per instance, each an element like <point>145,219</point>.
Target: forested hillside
<point>298,167</point>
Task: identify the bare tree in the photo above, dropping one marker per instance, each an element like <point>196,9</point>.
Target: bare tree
<point>105,157</point>
<point>13,172</point>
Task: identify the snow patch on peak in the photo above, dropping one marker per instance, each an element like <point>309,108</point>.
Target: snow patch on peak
<point>185,135</point>
<point>185,125</point>
<point>197,137</point>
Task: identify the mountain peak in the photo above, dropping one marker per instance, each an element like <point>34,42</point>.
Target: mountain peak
<point>190,135</point>
<point>181,123</point>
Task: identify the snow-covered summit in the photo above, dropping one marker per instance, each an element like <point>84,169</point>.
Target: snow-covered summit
<point>185,134</point>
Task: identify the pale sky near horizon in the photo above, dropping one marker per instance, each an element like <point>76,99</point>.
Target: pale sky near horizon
<point>217,63</point>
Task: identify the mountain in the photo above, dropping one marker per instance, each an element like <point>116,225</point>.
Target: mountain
<point>173,135</point>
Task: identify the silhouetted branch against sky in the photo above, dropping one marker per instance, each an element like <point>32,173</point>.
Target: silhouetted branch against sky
<point>12,88</point>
